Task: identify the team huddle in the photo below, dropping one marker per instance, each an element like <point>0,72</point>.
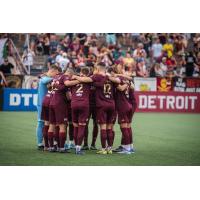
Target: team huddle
<point>100,93</point>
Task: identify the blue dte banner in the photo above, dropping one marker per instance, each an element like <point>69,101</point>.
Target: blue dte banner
<point>19,99</point>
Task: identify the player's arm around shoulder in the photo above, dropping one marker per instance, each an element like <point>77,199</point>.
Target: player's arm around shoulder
<point>82,79</point>
<point>114,79</point>
<point>46,79</point>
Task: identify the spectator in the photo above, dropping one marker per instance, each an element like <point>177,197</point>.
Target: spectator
<point>190,60</point>
<point>51,59</point>
<point>27,59</point>
<point>6,67</point>
<point>156,50</point>
<point>141,69</point>
<point>139,52</point>
<point>63,61</point>
<point>129,61</point>
<point>111,38</point>
<point>46,45</point>
<point>163,66</point>
<point>168,48</point>
<point>156,71</point>
<point>53,43</point>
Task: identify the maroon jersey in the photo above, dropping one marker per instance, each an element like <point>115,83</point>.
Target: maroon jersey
<point>46,100</point>
<point>132,99</point>
<point>80,94</point>
<point>104,90</point>
<point>59,90</point>
<point>122,97</point>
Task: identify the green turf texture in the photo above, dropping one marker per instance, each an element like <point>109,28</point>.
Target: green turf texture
<point>160,139</point>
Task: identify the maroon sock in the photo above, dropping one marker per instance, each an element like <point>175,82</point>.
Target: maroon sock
<point>125,134</point>
<point>86,136</point>
<point>56,135</point>
<point>71,132</point>
<point>50,138</point>
<point>62,139</point>
<point>110,137</point>
<point>103,138</point>
<point>122,139</point>
<point>45,135</point>
<point>81,131</point>
<point>94,134</point>
<point>130,135</point>
<point>75,134</point>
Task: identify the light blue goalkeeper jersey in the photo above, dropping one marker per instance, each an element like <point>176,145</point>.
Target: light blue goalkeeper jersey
<point>42,89</point>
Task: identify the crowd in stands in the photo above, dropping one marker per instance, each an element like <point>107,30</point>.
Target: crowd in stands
<point>144,55</point>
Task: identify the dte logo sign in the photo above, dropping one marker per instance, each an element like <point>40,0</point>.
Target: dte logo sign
<point>20,99</point>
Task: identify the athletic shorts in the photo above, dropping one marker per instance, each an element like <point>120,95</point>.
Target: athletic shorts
<point>45,113</point>
<point>106,114</point>
<point>125,116</point>
<point>80,114</point>
<point>57,114</point>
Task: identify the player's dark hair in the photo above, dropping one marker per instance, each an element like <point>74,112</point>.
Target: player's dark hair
<point>85,71</point>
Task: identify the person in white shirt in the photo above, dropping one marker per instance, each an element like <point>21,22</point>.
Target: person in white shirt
<point>163,66</point>
<point>63,61</point>
<point>27,58</point>
<point>139,52</point>
<point>156,49</point>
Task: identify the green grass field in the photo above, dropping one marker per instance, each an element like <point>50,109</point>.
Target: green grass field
<point>160,139</point>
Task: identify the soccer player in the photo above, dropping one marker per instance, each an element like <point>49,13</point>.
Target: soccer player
<point>58,108</point>
<point>80,109</point>
<point>42,90</point>
<point>92,114</point>
<point>125,112</point>
<point>105,104</point>
<point>45,116</point>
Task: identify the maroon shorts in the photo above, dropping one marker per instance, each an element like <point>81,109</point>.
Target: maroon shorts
<point>45,113</point>
<point>57,114</point>
<point>125,116</point>
<point>106,114</point>
<point>80,114</point>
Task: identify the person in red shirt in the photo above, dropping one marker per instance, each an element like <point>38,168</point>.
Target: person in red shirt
<point>80,109</point>
<point>105,104</point>
<point>57,109</point>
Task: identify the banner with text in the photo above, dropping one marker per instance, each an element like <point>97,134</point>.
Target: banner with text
<point>145,84</point>
<point>184,102</point>
<point>19,99</point>
<point>186,84</point>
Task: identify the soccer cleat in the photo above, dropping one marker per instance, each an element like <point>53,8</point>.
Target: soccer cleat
<point>52,150</point>
<point>124,151</point>
<point>71,146</point>
<point>67,146</point>
<point>118,149</point>
<point>40,148</point>
<point>109,151</point>
<point>93,148</point>
<point>132,150</point>
<point>63,150</point>
<point>85,148</point>
<point>103,152</point>
<point>80,152</point>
